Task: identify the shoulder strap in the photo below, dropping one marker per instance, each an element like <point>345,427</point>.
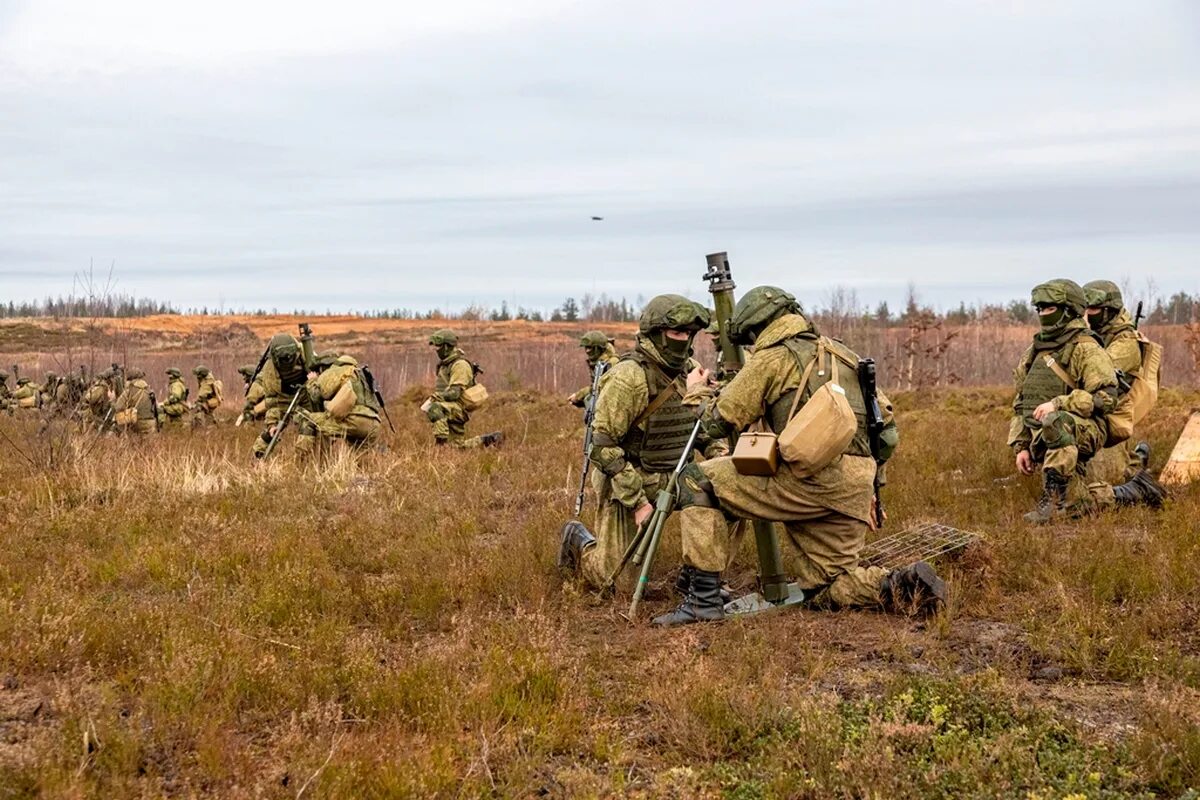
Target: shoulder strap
<point>655,404</point>
<point>1059,371</point>
<point>804,376</point>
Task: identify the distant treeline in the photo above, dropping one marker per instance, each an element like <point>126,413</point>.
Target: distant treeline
<point>841,306</point>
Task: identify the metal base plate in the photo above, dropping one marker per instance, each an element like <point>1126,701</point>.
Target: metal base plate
<point>755,603</point>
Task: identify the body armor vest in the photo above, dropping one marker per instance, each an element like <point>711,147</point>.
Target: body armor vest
<point>658,444</point>
<point>443,374</point>
<point>1042,384</point>
<point>363,395</point>
<point>804,349</point>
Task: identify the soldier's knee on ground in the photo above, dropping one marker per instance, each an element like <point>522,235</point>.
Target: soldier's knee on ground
<point>1058,430</point>
<point>695,489</point>
<point>436,412</point>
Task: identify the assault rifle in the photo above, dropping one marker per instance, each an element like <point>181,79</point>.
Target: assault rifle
<point>589,416</point>
<point>154,411</point>
<point>870,393</point>
<point>262,362</point>
<point>373,389</point>
<point>283,423</point>
<point>645,543</point>
<point>1137,317</point>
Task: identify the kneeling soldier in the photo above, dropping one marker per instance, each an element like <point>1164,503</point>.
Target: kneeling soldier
<point>446,409</point>
<point>174,409</point>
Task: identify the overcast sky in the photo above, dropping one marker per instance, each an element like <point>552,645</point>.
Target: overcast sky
<point>356,155</point>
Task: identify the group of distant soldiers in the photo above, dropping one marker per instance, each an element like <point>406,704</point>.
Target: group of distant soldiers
<point>1069,385</point>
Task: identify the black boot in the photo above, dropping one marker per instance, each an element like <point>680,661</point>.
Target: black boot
<point>1053,500</point>
<point>915,589</point>
<point>1141,488</point>
<point>491,439</point>
<point>684,582</point>
<point>1142,451</point>
<point>703,601</point>
<point>575,539</point>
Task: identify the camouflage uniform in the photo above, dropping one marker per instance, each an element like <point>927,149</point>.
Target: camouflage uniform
<point>282,376</point>
<point>174,409</point>
<point>455,374</point>
<point>48,390</point>
<point>1067,438</point>
<point>1124,463</point>
<point>208,395</point>
<point>349,410</point>
<point>134,410</point>
<point>5,392</point>
<point>826,514</point>
<point>98,400</point>
<point>635,447</point>
<point>599,349</point>
<point>28,395</point>
<point>255,407</point>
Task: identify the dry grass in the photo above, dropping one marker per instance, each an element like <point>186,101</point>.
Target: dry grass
<point>176,621</point>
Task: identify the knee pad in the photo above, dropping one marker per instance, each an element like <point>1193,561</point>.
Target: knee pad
<point>1058,430</point>
<point>695,489</point>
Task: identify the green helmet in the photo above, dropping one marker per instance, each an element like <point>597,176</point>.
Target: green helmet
<point>246,371</point>
<point>287,355</point>
<point>1062,292</point>
<point>673,312</point>
<point>1103,294</point>
<point>200,371</point>
<point>326,360</point>
<point>174,372</point>
<point>21,381</point>
<point>444,336</point>
<point>758,308</point>
<point>51,377</point>
<point>3,375</point>
<point>594,339</point>
<point>135,373</point>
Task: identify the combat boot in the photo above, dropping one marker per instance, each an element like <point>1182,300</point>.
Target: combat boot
<point>1141,488</point>
<point>1142,451</point>
<point>1053,500</point>
<point>575,539</point>
<point>915,589</point>
<point>491,439</point>
<point>702,603</point>
<point>684,582</point>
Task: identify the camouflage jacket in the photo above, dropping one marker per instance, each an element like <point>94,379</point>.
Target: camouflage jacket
<point>343,373</point>
<point>1121,341</point>
<point>624,395</point>
<point>136,396</point>
<point>1088,366</point>
<point>454,374</point>
<point>610,358</point>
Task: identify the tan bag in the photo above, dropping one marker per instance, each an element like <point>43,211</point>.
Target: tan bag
<point>343,402</point>
<point>126,417</point>
<point>428,404</point>
<point>215,401</point>
<point>823,428</point>
<point>27,402</point>
<point>756,454</point>
<point>474,396</point>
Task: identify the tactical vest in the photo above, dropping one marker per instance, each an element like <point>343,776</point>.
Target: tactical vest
<point>363,395</point>
<point>1042,384</point>
<point>803,349</point>
<point>658,444</point>
<point>443,374</point>
<point>139,399</point>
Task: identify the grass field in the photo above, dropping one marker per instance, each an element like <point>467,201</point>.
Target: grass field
<point>177,621</point>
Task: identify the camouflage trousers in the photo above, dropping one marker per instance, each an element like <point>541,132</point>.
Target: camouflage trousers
<point>614,530</point>
<point>1110,467</point>
<point>306,435</point>
<point>826,542</point>
<point>1067,443</point>
<point>356,430</point>
<point>141,427</point>
<point>450,424</point>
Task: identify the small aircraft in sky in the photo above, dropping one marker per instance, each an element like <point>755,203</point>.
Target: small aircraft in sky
<point>597,219</point>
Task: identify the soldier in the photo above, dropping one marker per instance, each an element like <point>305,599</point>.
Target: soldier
<point>639,432</point>
<point>208,395</point>
<point>282,376</point>
<point>28,394</point>
<point>255,407</point>
<point>826,514</point>
<point>349,410</point>
<point>1054,425</point>
<point>1123,463</point>
<point>48,391</point>
<point>445,409</point>
<point>98,400</point>
<point>136,409</point>
<point>5,392</point>
<point>174,410</point>
<point>599,348</point>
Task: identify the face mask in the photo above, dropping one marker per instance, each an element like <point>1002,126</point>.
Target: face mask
<point>593,355</point>
<point>1054,319</point>
<point>674,352</point>
<point>444,351</point>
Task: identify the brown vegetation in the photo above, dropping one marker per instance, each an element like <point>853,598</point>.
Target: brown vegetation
<point>177,621</point>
